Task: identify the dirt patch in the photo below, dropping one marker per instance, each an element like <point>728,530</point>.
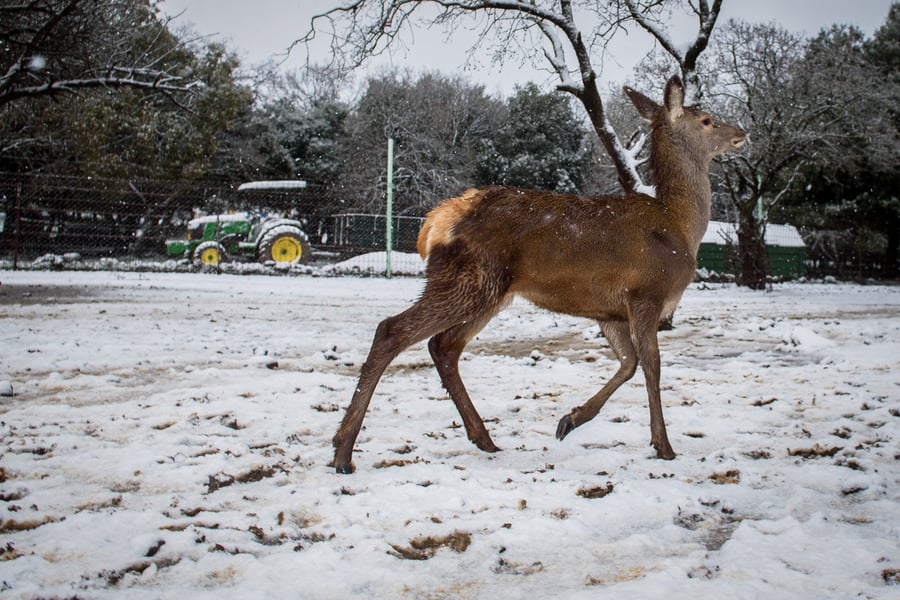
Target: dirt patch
<point>397,462</point>
<point>508,567</point>
<point>566,344</point>
<point>28,295</point>
<point>11,525</point>
<point>222,480</point>
<point>891,576</point>
<point>598,491</point>
<point>114,576</point>
<point>732,476</point>
<point>423,548</point>
<point>816,451</point>
<point>713,528</point>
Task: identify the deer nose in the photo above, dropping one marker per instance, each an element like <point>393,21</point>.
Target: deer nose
<point>738,140</point>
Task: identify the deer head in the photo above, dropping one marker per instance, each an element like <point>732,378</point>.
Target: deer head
<point>695,128</point>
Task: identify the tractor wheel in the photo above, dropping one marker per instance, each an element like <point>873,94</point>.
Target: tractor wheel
<point>209,254</point>
<point>285,245</point>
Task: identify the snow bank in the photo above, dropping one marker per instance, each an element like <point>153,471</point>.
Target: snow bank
<point>373,263</point>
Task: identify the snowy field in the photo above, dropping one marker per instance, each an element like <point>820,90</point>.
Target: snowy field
<point>168,435</point>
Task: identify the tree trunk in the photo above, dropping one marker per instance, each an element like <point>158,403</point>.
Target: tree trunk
<point>593,104</point>
<point>753,257</point>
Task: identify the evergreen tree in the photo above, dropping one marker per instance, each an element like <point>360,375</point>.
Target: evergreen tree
<point>110,127</point>
<point>538,146</point>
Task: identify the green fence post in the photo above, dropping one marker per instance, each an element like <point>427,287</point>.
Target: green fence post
<point>389,229</point>
<point>16,235</point>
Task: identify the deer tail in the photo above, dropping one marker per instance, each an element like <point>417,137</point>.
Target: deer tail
<point>437,230</point>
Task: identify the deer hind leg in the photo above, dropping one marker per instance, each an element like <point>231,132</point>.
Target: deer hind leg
<point>445,349</point>
<point>618,334</point>
<point>644,324</point>
<point>393,336</point>
<point>459,290</point>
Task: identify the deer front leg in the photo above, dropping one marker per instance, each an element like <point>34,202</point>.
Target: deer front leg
<point>618,334</point>
<point>658,437</point>
<point>644,325</point>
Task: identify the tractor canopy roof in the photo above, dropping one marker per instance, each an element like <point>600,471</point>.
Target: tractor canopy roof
<point>226,218</point>
<point>284,184</point>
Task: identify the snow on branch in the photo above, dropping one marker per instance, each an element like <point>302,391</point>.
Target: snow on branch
<point>132,78</point>
<point>61,46</point>
<point>557,60</point>
<point>641,11</point>
<point>362,29</point>
<point>639,15</point>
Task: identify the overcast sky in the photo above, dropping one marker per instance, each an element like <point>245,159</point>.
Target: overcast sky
<point>262,29</point>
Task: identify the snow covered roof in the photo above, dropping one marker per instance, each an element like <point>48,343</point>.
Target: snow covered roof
<point>776,235</point>
<point>284,184</point>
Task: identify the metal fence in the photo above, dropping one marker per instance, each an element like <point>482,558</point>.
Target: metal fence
<point>78,222</point>
<point>104,221</point>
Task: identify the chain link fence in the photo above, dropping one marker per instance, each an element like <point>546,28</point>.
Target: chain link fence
<point>137,224</point>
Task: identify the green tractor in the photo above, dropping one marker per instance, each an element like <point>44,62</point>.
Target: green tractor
<point>213,239</point>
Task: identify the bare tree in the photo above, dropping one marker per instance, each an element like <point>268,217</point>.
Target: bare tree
<point>556,32</point>
<point>438,124</point>
<point>651,16</point>
<point>52,47</point>
<point>806,105</point>
<point>753,68</point>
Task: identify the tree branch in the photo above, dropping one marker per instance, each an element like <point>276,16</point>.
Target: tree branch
<point>39,37</point>
<point>162,83</point>
<point>363,29</point>
<point>85,45</point>
<point>687,60</point>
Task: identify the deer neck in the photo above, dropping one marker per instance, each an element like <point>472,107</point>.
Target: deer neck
<point>682,184</point>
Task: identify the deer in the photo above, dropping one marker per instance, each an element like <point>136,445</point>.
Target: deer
<point>621,260</point>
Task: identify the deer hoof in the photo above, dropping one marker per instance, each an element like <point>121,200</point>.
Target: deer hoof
<point>488,446</point>
<point>665,452</point>
<point>565,427</point>
<point>343,469</point>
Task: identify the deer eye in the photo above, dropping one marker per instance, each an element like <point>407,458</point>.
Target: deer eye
<point>706,122</point>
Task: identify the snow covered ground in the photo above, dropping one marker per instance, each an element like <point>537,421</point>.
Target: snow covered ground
<point>169,436</point>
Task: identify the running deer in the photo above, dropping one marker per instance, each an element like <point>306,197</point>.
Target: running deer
<point>621,260</point>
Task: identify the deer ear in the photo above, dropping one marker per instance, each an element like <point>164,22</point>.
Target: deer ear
<point>646,107</point>
<point>674,98</point>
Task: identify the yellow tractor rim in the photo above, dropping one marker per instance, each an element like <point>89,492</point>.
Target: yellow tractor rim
<point>210,256</point>
<point>286,250</point>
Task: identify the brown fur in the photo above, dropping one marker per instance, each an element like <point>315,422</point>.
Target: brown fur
<point>437,230</point>
<point>621,260</point>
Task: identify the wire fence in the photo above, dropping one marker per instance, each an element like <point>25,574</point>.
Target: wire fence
<point>137,224</point>
<point>149,224</point>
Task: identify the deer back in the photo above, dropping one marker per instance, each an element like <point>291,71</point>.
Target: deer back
<point>584,255</point>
